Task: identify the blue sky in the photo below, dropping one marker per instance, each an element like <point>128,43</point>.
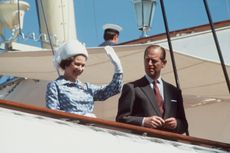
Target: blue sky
<point>91,15</point>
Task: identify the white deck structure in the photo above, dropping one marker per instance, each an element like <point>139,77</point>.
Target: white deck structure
<point>201,78</point>
<point>27,132</point>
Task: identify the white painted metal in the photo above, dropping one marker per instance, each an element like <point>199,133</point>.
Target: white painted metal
<point>60,19</point>
<point>25,133</point>
<point>9,14</point>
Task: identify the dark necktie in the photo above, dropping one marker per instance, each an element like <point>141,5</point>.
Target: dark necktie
<point>159,98</point>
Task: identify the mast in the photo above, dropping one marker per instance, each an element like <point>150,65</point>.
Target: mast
<point>60,20</point>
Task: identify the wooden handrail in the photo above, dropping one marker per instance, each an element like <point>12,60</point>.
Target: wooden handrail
<point>113,125</point>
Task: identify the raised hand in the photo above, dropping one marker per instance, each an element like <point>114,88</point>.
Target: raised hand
<point>114,59</point>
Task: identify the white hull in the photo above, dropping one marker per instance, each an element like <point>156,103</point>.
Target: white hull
<point>27,132</point>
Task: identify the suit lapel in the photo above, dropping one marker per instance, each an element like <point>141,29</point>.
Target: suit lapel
<point>148,92</point>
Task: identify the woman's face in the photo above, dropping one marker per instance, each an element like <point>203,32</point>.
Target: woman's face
<point>75,68</point>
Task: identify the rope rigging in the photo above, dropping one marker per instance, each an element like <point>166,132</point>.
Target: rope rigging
<point>49,36</point>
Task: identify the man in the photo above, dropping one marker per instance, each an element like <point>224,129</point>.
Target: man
<point>150,101</point>
<point>111,34</point>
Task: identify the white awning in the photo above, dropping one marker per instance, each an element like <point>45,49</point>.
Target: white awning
<point>199,71</point>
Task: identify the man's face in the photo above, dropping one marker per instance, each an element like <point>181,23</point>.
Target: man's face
<point>153,62</point>
<point>116,39</point>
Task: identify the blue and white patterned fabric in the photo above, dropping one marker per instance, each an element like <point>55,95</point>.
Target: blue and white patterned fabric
<point>77,97</point>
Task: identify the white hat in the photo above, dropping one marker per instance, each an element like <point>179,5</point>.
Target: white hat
<point>68,49</point>
<point>112,26</point>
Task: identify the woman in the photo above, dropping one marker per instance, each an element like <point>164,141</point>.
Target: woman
<point>69,94</point>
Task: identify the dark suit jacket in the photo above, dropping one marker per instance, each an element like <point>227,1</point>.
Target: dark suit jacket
<point>137,101</point>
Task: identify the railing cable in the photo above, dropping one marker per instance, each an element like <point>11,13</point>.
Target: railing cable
<point>170,44</point>
<point>171,49</point>
<point>217,44</point>
<point>47,29</point>
<point>19,19</point>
